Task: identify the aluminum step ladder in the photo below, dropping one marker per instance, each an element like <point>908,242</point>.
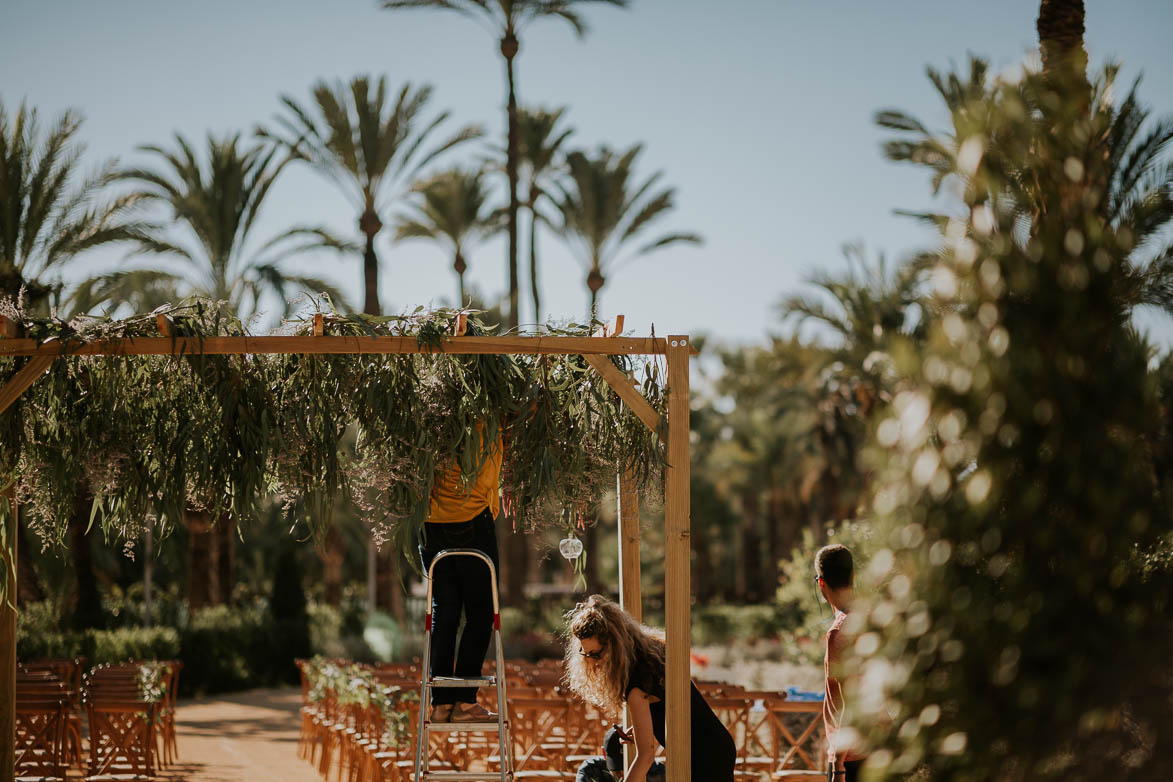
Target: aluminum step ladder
<point>499,725</point>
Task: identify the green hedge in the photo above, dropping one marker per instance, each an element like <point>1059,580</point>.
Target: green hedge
<point>103,646</point>
<point>223,648</point>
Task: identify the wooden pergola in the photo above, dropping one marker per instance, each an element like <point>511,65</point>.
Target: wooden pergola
<point>594,349</point>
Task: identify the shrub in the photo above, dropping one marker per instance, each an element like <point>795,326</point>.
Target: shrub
<point>228,648</point>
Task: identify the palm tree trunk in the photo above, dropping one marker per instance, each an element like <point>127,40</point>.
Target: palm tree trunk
<point>590,544</point>
<point>370,225</point>
<point>29,589</point>
<point>751,547</point>
<point>509,46</point>
<point>225,558</point>
<point>533,262</point>
<point>1061,27</point>
<point>370,270</point>
<point>460,266</point>
<point>595,282</point>
<point>203,574</point>
<point>87,611</point>
<point>332,559</point>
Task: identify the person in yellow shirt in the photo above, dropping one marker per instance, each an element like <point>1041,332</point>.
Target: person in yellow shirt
<point>462,514</point>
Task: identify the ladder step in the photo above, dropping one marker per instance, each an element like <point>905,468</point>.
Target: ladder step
<point>464,681</point>
<point>465,726</point>
<point>462,776</point>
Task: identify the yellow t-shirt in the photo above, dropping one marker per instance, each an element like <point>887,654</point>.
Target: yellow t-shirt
<point>452,501</point>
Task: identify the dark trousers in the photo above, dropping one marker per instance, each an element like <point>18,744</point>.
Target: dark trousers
<point>460,584</point>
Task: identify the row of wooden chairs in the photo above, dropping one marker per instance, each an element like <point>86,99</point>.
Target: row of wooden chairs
<point>776,738</point>
<point>551,731</point>
<point>130,708</point>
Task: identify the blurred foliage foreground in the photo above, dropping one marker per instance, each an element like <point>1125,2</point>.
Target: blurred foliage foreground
<point>1022,625</point>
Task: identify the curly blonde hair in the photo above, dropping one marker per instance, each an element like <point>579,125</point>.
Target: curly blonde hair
<point>625,641</point>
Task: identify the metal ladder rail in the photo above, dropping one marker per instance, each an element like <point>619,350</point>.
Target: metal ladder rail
<point>426,726</point>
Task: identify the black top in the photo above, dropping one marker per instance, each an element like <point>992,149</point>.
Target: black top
<point>713,751</point>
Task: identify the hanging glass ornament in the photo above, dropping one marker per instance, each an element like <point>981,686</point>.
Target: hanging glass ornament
<point>570,547</point>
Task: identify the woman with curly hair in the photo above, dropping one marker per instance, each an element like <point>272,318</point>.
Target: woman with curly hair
<point>614,661</point>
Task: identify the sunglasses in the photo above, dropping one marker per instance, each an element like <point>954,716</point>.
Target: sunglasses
<point>595,655</point>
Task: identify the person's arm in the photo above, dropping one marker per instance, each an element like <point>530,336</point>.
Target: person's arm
<point>832,701</point>
<point>645,739</point>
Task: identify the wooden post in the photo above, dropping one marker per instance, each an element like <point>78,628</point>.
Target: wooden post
<point>678,586</point>
<point>9,534</point>
<point>8,523</point>
<point>630,596</point>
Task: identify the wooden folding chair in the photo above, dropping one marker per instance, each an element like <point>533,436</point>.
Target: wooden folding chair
<point>122,739</point>
<point>40,736</point>
<point>69,671</point>
<point>539,732</point>
<point>797,736</point>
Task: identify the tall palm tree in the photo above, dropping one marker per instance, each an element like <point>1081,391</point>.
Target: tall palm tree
<point>540,141</point>
<point>603,209</point>
<point>370,148</point>
<point>217,202</point>
<point>507,19</point>
<point>49,214</point>
<point>453,208</point>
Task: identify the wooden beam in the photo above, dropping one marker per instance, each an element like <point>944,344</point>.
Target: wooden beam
<point>319,325</point>
<point>165,346</point>
<point>622,386</point>
<point>8,551</point>
<point>164,324</point>
<point>678,582</point>
<point>9,329</point>
<point>20,382</point>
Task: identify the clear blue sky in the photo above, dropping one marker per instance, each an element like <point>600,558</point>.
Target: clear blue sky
<point>758,111</point>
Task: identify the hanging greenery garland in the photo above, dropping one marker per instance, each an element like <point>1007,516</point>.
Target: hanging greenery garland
<point>161,438</point>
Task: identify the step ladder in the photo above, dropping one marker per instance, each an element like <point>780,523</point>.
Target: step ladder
<point>499,725</point>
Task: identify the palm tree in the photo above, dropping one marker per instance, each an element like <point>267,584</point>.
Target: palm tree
<point>48,214</point>
<point>217,202</point>
<point>370,149</point>
<point>506,19</point>
<point>540,141</point>
<point>1139,178</point>
<point>454,210</point>
<point>603,209</point>
<point>865,306</point>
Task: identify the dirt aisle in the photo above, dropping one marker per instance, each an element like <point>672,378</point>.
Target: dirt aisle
<point>245,736</point>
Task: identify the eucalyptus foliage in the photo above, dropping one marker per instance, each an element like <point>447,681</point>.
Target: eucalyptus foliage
<point>155,437</point>
<point>1023,628</point>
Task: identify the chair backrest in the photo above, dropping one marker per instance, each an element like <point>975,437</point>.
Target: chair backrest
<point>797,735</point>
<point>40,734</point>
<point>122,739</point>
<point>534,722</point>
